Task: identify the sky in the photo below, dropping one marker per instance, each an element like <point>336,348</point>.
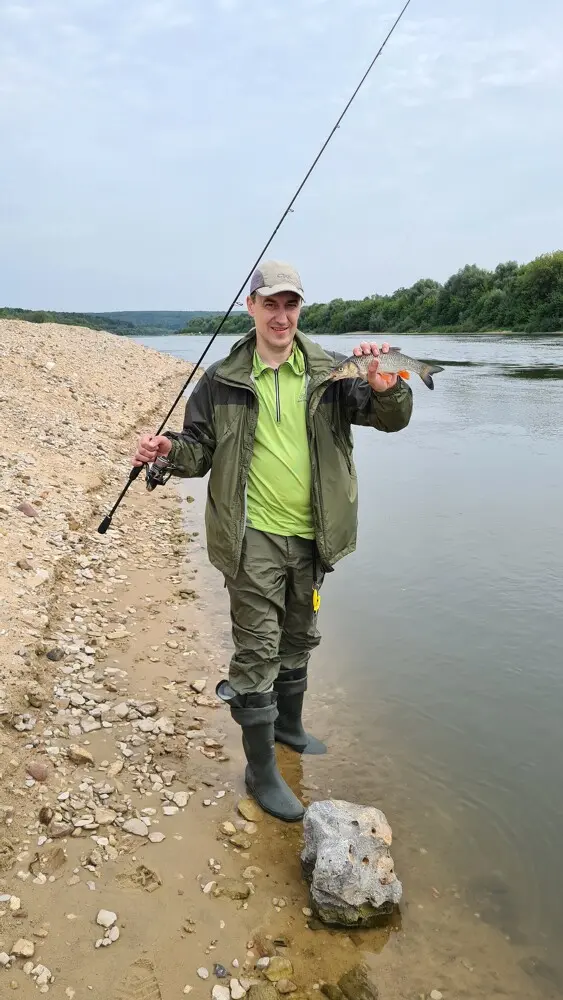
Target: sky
<point>149,147</point>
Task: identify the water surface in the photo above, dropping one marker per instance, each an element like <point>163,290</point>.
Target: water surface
<point>439,682</point>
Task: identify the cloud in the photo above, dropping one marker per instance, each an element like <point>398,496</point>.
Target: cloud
<point>147,136</point>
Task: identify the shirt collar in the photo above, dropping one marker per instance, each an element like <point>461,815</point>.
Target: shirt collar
<point>296,361</point>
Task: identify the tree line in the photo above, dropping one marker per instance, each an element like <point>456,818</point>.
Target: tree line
<point>524,298</point>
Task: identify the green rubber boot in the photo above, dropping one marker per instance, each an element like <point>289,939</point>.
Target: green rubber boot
<point>256,714</point>
<point>290,688</point>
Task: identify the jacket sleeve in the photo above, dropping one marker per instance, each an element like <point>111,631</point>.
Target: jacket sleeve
<point>386,411</point>
<point>193,447</point>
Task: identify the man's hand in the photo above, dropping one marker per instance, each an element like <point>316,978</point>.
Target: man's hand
<point>149,447</point>
<point>379,381</point>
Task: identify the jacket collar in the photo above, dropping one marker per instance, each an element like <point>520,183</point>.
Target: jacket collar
<point>237,366</point>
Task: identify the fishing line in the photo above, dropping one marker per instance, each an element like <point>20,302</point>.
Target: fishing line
<point>105,524</point>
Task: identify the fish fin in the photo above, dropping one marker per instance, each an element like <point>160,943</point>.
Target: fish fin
<point>404,374</point>
<point>427,373</point>
<point>395,350</point>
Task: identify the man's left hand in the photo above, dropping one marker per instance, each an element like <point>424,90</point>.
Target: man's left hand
<point>379,381</point>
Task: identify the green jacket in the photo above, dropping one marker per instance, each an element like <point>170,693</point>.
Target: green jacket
<point>218,436</point>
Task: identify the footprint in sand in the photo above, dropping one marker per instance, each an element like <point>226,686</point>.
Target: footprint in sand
<point>139,983</point>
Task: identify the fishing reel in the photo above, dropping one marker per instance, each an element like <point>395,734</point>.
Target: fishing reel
<point>156,474</point>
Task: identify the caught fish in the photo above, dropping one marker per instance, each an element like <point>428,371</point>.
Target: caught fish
<point>392,362</point>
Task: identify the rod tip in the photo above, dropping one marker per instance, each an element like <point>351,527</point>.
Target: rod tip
<point>104,525</point>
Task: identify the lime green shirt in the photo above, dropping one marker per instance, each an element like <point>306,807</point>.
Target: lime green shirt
<point>279,479</point>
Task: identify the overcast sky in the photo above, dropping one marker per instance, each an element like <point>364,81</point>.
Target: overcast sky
<point>148,147</point>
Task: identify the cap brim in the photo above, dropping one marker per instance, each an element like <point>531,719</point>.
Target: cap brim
<point>276,289</point>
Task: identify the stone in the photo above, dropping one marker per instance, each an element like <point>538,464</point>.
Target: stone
<point>250,811</point>
<point>23,949</point>
<point>156,837</point>
<point>79,755</point>
<point>28,509</point>
<point>5,960</point>
<point>237,991</point>
<point>264,945</point>
<point>199,687</point>
<point>136,827</point>
<point>278,968</point>
<point>357,984</point>
<point>221,993</point>
<point>347,862</point>
<point>220,971</point>
<point>435,995</point>
<point>285,987</point>
<point>59,830</point>
<point>228,829</point>
<point>252,872</point>
<point>105,817</point>
<point>263,991</point>
<point>232,888</point>
<point>113,934</point>
<point>56,654</point>
<point>37,770</point>
<point>90,725</point>
<point>203,973</point>
<point>181,799</point>
<point>242,841</point>
<point>165,726</point>
<point>332,992</point>
<point>106,918</point>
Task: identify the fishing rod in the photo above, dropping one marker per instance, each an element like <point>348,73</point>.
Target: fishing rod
<point>156,477</point>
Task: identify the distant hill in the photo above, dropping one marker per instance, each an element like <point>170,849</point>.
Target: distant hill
<point>124,324</point>
<point>157,322</point>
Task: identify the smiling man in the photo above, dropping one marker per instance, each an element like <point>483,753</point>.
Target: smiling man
<point>274,431</point>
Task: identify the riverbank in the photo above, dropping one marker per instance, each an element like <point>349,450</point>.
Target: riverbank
<point>121,773</point>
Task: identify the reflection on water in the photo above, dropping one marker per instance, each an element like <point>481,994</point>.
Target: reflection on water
<point>534,372</point>
<point>439,683</point>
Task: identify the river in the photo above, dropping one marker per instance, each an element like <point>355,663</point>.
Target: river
<point>439,681</point>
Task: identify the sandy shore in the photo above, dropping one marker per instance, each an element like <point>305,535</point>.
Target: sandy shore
<point>120,772</point>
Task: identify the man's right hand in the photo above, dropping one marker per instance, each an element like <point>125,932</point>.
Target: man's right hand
<point>149,447</point>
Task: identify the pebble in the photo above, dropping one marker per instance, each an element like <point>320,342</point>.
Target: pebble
<point>198,686</point>
<point>229,829</point>
<point>188,989</point>
<point>203,973</point>
<point>38,771</point>
<point>435,995</point>
<point>279,968</point>
<point>23,949</point>
<point>285,986</point>
<point>237,991</point>
<point>106,918</point>
<point>220,971</point>
<point>221,993</point>
<point>250,811</point>
<point>136,827</point>
<point>156,837</point>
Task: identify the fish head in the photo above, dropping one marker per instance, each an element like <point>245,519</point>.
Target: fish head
<point>347,369</point>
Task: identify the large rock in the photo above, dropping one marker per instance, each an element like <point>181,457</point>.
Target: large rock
<point>347,862</point>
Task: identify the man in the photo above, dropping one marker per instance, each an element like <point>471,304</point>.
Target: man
<point>274,431</point>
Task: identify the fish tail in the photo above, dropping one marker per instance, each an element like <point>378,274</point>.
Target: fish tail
<point>427,372</point>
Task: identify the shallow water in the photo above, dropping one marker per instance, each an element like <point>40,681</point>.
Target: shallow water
<point>439,682</point>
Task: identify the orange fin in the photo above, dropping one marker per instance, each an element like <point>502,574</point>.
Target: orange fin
<point>404,374</point>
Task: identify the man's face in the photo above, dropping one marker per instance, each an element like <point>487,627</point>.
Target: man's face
<point>275,317</point>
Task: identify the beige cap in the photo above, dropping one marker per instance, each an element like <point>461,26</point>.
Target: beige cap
<point>273,276</point>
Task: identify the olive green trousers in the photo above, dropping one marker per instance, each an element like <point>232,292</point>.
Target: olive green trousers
<point>274,625</point>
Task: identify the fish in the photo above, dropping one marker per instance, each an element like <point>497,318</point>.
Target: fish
<point>393,361</point>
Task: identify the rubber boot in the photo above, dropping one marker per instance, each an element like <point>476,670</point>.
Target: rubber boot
<point>256,714</point>
<point>290,687</point>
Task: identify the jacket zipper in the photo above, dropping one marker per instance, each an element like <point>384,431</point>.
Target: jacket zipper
<point>278,404</point>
